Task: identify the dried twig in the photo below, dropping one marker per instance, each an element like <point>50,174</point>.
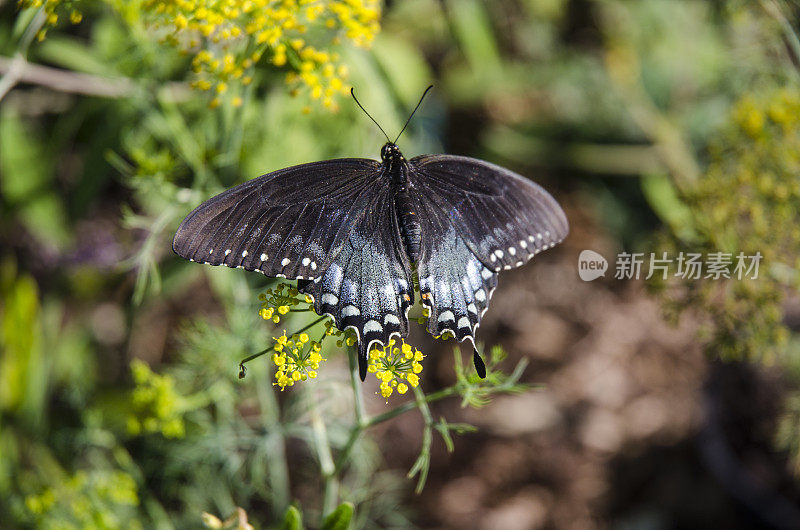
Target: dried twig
<point>18,70</point>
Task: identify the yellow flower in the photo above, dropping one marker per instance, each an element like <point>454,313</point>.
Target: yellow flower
<point>181,22</point>
<point>395,368</point>
<point>227,32</point>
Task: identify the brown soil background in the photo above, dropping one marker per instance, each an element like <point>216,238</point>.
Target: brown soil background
<point>633,426</point>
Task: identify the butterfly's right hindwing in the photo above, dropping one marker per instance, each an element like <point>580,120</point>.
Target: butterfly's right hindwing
<point>289,223</point>
<point>454,284</point>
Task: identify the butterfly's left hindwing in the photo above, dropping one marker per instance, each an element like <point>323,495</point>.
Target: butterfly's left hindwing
<point>368,285</point>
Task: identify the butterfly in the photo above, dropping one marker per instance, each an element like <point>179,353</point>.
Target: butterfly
<point>354,232</point>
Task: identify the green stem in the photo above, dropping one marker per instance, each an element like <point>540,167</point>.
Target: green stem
<point>422,465</point>
<point>275,439</point>
<point>357,429</point>
<point>14,74</point>
<point>774,10</point>
<point>406,407</point>
<point>267,350</point>
<point>355,383</point>
<point>31,31</point>
<point>360,412</point>
<point>331,494</point>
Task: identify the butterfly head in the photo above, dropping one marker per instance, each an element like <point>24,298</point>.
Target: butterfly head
<point>390,153</point>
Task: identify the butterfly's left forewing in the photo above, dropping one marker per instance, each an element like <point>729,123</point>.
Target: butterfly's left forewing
<point>290,223</point>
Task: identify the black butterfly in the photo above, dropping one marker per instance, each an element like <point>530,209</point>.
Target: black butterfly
<point>352,231</point>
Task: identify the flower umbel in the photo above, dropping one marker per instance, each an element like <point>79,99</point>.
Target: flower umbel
<point>297,358</point>
<point>55,11</point>
<point>228,38</point>
<point>280,300</point>
<point>396,367</point>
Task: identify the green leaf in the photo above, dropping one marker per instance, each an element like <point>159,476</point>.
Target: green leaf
<point>73,55</point>
<point>293,520</point>
<point>27,183</point>
<point>665,202</point>
<point>24,164</point>
<point>404,66</point>
<point>473,30</point>
<point>339,519</point>
<point>23,375</point>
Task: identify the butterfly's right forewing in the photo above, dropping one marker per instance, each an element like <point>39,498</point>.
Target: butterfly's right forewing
<point>504,218</point>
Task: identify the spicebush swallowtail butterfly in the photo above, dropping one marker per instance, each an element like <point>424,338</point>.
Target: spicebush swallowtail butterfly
<point>352,231</point>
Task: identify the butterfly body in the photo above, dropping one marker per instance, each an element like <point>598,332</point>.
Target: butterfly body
<point>353,232</point>
<point>410,229</point>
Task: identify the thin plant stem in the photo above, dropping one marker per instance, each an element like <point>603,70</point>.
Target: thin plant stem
<point>17,68</point>
<point>358,397</point>
<point>362,422</point>
<point>357,429</point>
<point>267,350</point>
<point>275,439</point>
<point>774,10</point>
<point>411,405</point>
<point>331,491</point>
<point>422,465</point>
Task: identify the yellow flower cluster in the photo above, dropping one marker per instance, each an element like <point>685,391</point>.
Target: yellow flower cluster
<point>155,404</point>
<point>748,199</point>
<point>230,37</point>
<point>94,498</point>
<point>394,366</point>
<point>297,359</point>
<point>279,301</point>
<point>53,9</point>
<point>751,185</point>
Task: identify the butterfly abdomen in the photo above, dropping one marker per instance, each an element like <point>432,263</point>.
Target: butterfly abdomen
<point>410,228</point>
<point>396,168</point>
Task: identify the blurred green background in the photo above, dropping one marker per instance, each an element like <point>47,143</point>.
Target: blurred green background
<point>660,126</point>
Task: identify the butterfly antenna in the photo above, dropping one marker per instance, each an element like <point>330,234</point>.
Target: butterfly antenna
<point>412,113</point>
<point>352,93</point>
